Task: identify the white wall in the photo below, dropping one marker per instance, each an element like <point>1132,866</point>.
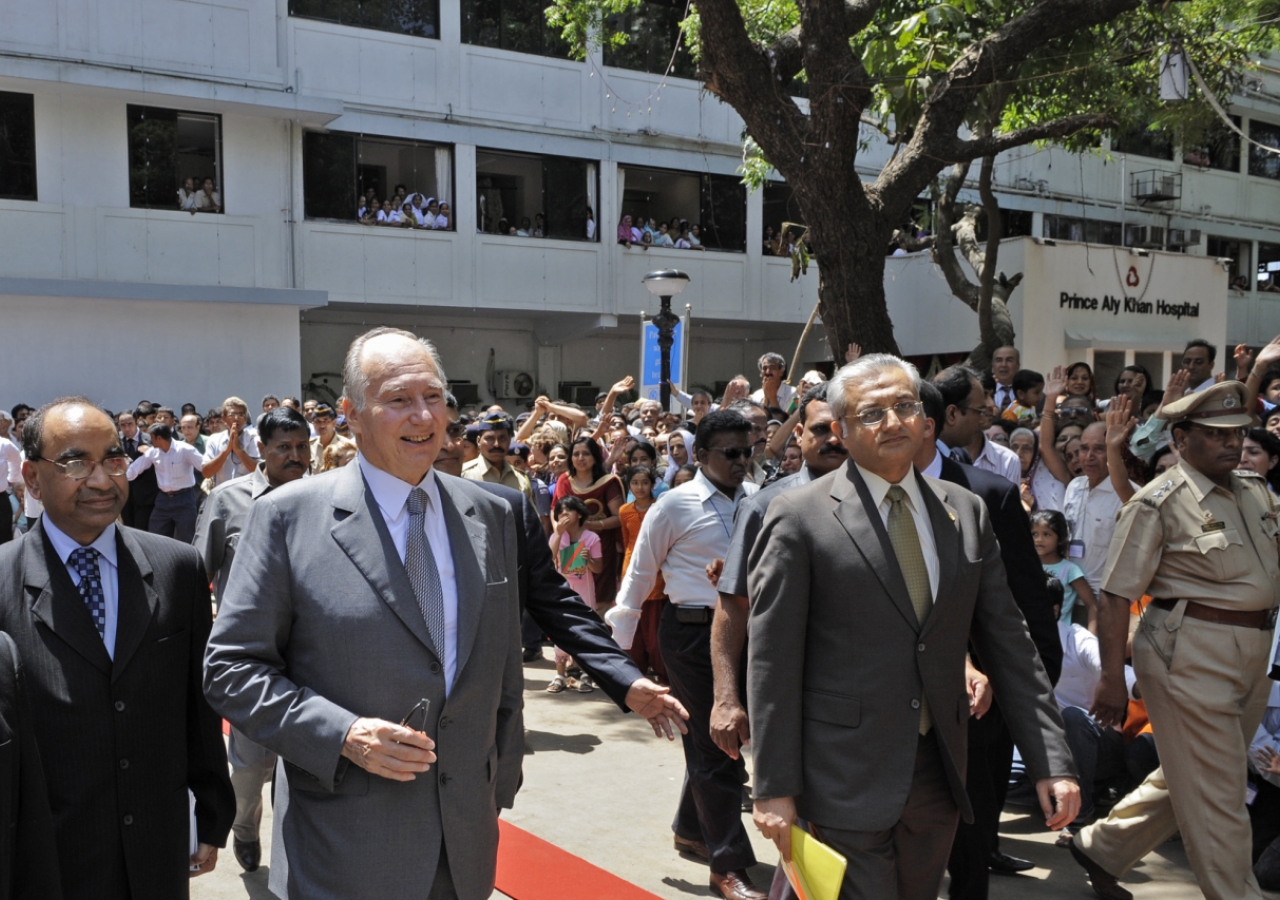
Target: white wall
<point>121,351</point>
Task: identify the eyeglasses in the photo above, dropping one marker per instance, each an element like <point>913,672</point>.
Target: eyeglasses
<point>425,705</point>
<point>732,453</point>
<point>980,410</point>
<point>80,469</point>
<point>907,409</point>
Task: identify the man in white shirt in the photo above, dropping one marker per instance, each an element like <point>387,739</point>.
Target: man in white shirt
<point>967,416</point>
<point>1091,505</point>
<point>234,452</point>
<point>690,528</point>
<point>10,475</point>
<point>1004,365</point>
<point>773,394</point>
<point>1197,360</point>
<point>176,463</point>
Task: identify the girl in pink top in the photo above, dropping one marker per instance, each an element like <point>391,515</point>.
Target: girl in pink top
<point>578,557</point>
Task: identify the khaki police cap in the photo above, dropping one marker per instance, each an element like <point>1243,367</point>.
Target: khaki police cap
<point>1219,406</point>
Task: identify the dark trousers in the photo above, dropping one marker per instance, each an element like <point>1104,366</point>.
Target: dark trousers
<point>174,515</point>
<point>530,632</point>
<point>1098,753</point>
<point>711,800</point>
<point>987,781</point>
<point>6,519</point>
<point>906,861</point>
<point>442,886</point>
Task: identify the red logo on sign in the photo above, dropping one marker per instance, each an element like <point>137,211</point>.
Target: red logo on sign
<point>1132,278</point>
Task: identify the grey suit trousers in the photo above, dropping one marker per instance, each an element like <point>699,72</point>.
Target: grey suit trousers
<point>908,860</point>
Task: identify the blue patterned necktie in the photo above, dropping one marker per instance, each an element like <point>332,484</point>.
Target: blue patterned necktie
<point>85,560</point>
<point>420,563</point>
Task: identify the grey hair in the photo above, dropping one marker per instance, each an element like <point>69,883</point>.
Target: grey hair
<point>859,369</point>
<point>772,358</point>
<point>354,380</point>
<point>1017,432</point>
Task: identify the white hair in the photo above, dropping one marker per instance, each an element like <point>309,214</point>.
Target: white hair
<point>355,381</point>
<point>862,369</point>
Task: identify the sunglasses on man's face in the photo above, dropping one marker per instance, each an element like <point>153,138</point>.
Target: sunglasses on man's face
<point>734,453</point>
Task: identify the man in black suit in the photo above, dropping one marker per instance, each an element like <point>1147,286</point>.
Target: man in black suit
<point>28,859</point>
<point>111,624</point>
<point>143,491</point>
<point>559,612</point>
<point>976,847</point>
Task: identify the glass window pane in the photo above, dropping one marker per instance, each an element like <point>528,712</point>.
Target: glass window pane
<point>652,30</point>
<point>173,157</point>
<point>1219,148</point>
<point>1142,141</point>
<point>17,146</point>
<point>339,170</point>
<point>1269,268</point>
<point>420,18</point>
<point>724,213</point>
<point>533,196</point>
<point>328,176</point>
<point>1262,163</point>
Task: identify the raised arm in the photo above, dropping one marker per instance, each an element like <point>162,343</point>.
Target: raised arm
<point>1120,425</point>
<point>1053,460</point>
<point>1268,357</point>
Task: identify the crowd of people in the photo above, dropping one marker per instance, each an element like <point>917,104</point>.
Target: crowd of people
<point>642,232</point>
<point>404,210</point>
<point>1015,536</point>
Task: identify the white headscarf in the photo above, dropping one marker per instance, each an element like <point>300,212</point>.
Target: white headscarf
<point>672,466</point>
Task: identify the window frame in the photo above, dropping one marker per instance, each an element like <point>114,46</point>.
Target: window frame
<point>219,167</point>
<point>16,99</point>
<point>352,21</point>
<point>552,46</point>
<point>1256,156</point>
<point>682,66</point>
<point>543,207</point>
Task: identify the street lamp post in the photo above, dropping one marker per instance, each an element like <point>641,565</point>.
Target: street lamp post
<point>665,284</point>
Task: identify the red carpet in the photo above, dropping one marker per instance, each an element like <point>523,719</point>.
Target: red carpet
<point>530,868</point>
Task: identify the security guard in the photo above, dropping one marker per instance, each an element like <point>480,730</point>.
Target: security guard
<point>491,465</point>
<point>1201,540</point>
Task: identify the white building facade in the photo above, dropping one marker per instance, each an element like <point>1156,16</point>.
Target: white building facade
<point>108,287</point>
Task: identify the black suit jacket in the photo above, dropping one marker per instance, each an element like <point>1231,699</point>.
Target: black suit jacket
<point>562,615</point>
<point>121,740</point>
<point>142,490</point>
<point>28,859</point>
<point>1027,580</point>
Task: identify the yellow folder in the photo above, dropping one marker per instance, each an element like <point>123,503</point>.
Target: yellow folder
<point>815,871</point>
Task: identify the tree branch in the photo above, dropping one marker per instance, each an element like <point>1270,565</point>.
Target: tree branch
<point>944,251</point>
<point>1059,128</point>
<point>787,52</point>
<point>987,274</point>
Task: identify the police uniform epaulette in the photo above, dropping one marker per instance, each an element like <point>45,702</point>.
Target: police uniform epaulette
<point>1248,473</point>
<point>1160,489</point>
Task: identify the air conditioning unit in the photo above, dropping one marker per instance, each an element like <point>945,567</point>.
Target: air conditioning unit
<point>1184,237</point>
<point>1145,236</point>
<point>513,385</point>
<point>1170,186</point>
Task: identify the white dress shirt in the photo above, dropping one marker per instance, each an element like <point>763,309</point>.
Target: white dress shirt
<point>10,465</point>
<point>785,393</point>
<point>392,497</point>
<point>686,528</point>
<point>175,468</point>
<point>108,568</point>
<point>232,467</point>
<point>999,459</point>
<point>879,489</point>
<point>1091,516</point>
<point>1081,668</point>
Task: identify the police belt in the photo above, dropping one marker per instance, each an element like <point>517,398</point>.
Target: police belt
<point>1262,619</point>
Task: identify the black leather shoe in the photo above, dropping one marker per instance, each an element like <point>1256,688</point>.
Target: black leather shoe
<point>696,849</point>
<point>531,654</point>
<point>248,854</point>
<point>1103,882</point>
<point>736,886</point>
<point>1009,865</point>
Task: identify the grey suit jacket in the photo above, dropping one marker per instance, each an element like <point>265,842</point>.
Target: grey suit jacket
<point>837,659</point>
<point>319,626</point>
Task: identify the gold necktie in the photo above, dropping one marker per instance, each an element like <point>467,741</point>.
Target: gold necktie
<point>906,547</point>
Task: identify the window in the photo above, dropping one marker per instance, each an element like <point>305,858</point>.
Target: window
<point>1219,148</point>
<point>1269,268</point>
<point>1087,231</point>
<point>1261,162</point>
<point>342,171</point>
<point>175,160</point>
<point>780,207</point>
<point>717,204</point>
<point>518,25</point>
<point>1013,223</point>
<point>1238,253</point>
<point>420,18</point>
<point>17,146</point>
<point>1143,141</point>
<point>537,196</point>
<point>652,29</point>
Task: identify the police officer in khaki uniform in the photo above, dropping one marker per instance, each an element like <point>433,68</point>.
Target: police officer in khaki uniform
<point>1201,540</point>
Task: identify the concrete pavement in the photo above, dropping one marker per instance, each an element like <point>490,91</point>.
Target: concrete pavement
<point>598,784</point>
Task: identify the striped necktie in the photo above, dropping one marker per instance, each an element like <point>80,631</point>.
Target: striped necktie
<point>906,547</point>
<point>420,564</point>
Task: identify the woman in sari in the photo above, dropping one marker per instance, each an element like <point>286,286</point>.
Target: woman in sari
<point>603,494</point>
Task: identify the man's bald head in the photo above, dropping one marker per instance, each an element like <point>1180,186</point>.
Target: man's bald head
<point>372,352</point>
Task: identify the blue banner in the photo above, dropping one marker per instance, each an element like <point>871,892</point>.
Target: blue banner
<point>651,360</point>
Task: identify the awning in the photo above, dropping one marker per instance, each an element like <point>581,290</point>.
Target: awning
<point>1108,339</point>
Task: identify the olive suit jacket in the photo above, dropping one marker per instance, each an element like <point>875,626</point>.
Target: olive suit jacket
<point>837,663</point>
<point>319,626</point>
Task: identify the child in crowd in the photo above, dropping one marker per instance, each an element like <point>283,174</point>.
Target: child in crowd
<point>644,651</point>
<point>684,475</point>
<point>578,558</point>
<point>1049,533</point>
<point>1028,391</point>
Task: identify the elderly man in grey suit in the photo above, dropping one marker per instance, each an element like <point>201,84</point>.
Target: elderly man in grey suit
<point>370,635</point>
<point>866,587</point>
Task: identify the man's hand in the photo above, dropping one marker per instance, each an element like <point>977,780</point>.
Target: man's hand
<point>1120,423</point>
<point>714,570</point>
<point>852,352</point>
<point>979,689</point>
<point>625,385</point>
<point>1060,801</point>
<point>1056,386</point>
<point>203,861</point>
<point>388,750</point>
<point>1110,703</point>
<point>1267,357</point>
<point>729,727</point>
<point>656,704</point>
<point>774,818</point>
<point>1176,387</point>
<point>1244,358</point>
<point>1268,761</point>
